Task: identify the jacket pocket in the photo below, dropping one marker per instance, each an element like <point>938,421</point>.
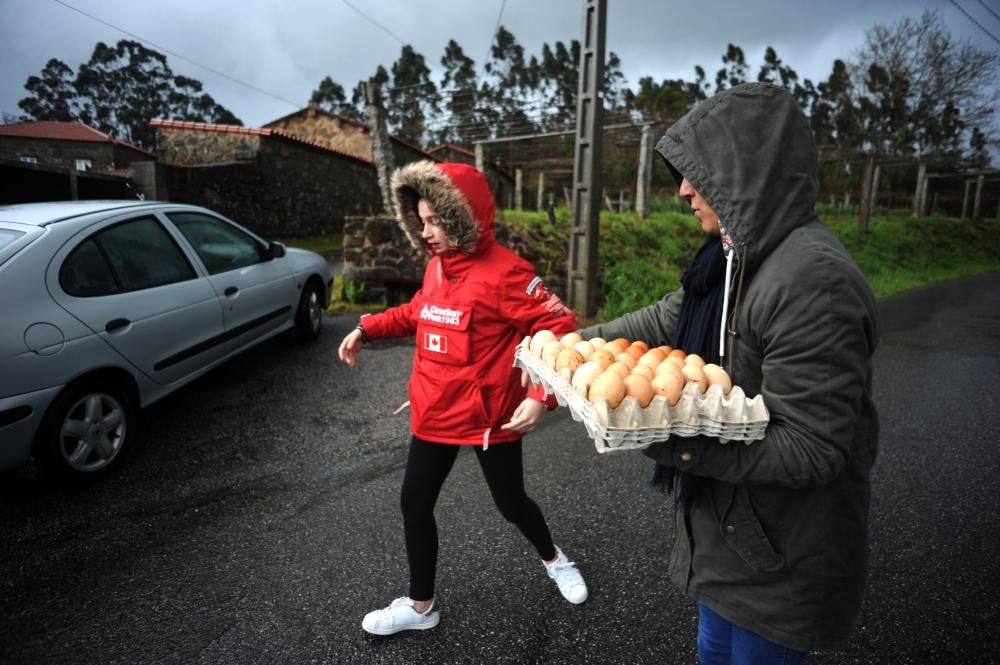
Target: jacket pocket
<point>742,530</point>
<point>443,334</point>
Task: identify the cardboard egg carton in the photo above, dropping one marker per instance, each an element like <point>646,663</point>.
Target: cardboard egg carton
<point>732,417</point>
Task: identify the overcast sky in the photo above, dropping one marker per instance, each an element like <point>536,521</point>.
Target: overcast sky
<point>285,47</point>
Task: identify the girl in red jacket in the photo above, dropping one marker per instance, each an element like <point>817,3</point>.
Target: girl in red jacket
<point>477,301</point>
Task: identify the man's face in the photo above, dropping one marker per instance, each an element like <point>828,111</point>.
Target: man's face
<point>709,220</point>
<point>433,234</point>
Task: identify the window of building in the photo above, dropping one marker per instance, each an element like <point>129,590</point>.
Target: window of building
<point>83,164</point>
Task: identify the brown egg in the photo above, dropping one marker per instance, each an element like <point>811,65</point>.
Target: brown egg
<point>652,358</point>
<point>621,368</point>
<point>639,387</point>
<point>641,344</point>
<point>569,340</point>
<point>675,360</point>
<point>718,376</point>
<point>669,365</point>
<point>635,351</point>
<point>585,349</point>
<point>585,375</point>
<point>615,347</point>
<point>627,358</point>
<point>643,370</point>
<point>694,359</point>
<point>570,358</point>
<point>670,385</point>
<point>610,386</point>
<point>598,342</point>
<point>602,357</point>
<point>696,375</point>
<point>677,353</point>
<point>550,351</point>
<point>540,339</point>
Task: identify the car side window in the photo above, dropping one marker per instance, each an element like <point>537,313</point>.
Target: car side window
<point>220,246</point>
<point>138,254</point>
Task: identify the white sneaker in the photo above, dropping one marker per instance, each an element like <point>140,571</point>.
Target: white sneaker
<point>400,615</point>
<point>568,578</point>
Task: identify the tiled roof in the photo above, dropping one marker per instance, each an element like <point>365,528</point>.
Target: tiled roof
<point>452,146</point>
<point>61,131</point>
<point>256,131</point>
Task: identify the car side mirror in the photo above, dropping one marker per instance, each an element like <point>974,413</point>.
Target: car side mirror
<point>276,250</point>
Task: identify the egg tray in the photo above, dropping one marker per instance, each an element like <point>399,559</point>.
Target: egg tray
<point>732,417</point>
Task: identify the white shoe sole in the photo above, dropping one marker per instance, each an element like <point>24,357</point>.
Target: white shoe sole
<point>434,617</point>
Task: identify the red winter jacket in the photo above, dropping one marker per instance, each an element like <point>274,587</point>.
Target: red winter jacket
<point>473,308</point>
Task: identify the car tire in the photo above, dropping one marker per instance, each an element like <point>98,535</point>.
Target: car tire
<point>309,316</point>
<point>85,432</point>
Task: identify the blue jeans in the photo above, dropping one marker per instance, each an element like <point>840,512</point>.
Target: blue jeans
<point>721,642</point>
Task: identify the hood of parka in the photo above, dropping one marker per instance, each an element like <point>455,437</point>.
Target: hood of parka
<point>459,195</point>
<point>750,153</point>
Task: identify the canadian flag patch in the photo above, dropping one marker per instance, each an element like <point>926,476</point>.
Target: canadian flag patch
<point>436,343</point>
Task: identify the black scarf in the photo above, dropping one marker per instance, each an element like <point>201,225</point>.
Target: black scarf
<point>697,331</point>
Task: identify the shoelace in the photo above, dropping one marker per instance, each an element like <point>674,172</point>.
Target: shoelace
<point>385,611</point>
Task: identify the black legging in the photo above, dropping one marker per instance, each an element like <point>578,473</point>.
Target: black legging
<point>427,466</point>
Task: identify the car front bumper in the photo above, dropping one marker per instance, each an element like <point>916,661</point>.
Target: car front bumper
<point>20,417</point>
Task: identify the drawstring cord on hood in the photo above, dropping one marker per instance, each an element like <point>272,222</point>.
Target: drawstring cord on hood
<point>736,302</point>
<point>725,306</point>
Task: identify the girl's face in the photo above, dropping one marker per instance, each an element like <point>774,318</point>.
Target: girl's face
<point>433,233</point>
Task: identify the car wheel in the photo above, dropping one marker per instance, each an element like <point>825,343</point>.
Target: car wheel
<point>309,318</point>
<point>85,432</point>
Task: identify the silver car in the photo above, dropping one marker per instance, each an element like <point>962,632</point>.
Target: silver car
<point>107,306</point>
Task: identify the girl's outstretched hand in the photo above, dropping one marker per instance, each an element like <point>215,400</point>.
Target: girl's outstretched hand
<point>350,346</point>
<point>527,416</point>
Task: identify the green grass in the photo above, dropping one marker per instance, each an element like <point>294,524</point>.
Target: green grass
<point>642,260</point>
<point>324,244</point>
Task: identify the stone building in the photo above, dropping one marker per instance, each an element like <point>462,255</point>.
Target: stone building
<point>68,145</point>
<point>57,161</point>
<point>342,133</point>
<point>275,183</point>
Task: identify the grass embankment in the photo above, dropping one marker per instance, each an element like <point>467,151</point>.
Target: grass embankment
<point>642,260</point>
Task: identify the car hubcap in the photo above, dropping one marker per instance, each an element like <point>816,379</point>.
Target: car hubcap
<point>92,432</point>
<point>315,311</point>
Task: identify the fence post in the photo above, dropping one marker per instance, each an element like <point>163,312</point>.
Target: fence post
<point>921,192</point>
<point>978,200</point>
<point>864,209</point>
<point>645,172</point>
<point>541,191</point>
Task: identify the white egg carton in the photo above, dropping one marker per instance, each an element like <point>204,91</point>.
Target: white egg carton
<point>732,417</point>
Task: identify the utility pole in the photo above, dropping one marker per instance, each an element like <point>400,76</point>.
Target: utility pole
<point>587,162</point>
<point>381,147</point>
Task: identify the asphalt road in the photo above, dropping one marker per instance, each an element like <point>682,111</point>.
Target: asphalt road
<point>258,521</point>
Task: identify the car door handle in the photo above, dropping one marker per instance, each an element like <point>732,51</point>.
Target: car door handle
<point>231,291</point>
<point>114,325</point>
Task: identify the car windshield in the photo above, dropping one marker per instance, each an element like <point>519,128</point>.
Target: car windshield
<point>7,236</point>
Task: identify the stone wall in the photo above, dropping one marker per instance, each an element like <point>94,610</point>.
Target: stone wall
<point>63,154</point>
<point>339,133</point>
<point>289,189</point>
<point>191,147</point>
<point>377,252</point>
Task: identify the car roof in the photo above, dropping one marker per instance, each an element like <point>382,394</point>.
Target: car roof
<point>42,214</point>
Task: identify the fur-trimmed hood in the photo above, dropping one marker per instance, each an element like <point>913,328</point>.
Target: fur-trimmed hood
<point>459,194</point>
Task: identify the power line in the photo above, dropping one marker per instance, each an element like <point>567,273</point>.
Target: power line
<point>969,16</point>
<point>179,56</point>
<point>990,10</point>
<point>489,47</point>
<point>375,23</point>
